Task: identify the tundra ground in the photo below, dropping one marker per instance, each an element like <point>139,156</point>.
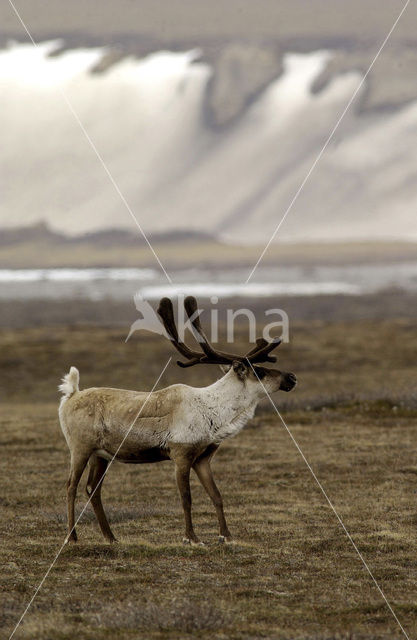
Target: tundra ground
<point>292,572</point>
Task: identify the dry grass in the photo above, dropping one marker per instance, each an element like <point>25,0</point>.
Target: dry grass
<point>292,573</point>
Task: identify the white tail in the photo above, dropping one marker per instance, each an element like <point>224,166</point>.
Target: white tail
<point>70,383</point>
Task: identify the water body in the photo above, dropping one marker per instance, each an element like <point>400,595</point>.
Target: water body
<point>122,284</point>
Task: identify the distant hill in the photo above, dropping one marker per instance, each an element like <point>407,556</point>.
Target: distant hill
<point>38,246</point>
<point>209,116</point>
<point>242,40</point>
<point>42,233</point>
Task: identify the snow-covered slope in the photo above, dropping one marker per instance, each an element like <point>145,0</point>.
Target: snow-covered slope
<point>147,120</point>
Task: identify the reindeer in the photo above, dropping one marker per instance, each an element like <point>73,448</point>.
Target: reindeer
<point>180,423</point>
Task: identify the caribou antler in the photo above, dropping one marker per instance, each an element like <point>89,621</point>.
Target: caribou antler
<point>261,354</point>
<point>166,312</point>
<point>209,355</point>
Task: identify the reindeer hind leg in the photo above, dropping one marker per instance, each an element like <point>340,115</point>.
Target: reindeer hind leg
<point>78,464</point>
<point>96,475</point>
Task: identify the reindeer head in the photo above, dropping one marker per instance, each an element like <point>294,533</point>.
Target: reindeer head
<point>245,367</point>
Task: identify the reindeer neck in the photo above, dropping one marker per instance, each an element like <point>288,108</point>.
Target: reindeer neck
<point>229,404</point>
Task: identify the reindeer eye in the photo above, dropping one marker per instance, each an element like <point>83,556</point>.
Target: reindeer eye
<point>261,373</point>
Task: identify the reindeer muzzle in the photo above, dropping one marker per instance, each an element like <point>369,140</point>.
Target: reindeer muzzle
<point>288,382</point>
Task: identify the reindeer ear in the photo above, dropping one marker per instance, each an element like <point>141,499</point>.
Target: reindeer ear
<point>240,369</point>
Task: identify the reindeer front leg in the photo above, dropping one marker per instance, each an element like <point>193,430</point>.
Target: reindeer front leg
<point>182,475</point>
<point>203,470</point>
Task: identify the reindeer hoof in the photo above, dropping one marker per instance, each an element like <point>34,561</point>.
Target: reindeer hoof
<point>193,543</point>
<point>226,540</point>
